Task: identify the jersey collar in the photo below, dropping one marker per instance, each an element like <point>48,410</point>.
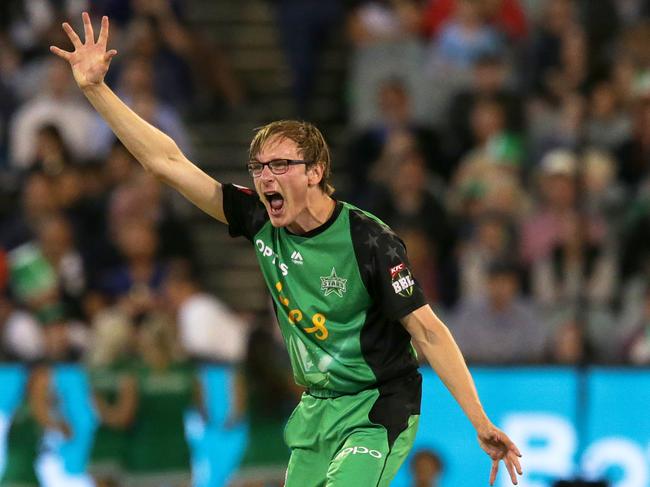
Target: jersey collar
<point>320,229</point>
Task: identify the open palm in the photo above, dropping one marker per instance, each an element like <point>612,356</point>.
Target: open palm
<point>89,60</point>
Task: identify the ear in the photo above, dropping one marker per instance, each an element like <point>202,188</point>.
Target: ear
<point>315,174</point>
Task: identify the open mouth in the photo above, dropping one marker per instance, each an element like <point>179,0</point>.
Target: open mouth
<point>276,202</point>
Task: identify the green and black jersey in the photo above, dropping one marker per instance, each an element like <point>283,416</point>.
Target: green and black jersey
<point>339,293</point>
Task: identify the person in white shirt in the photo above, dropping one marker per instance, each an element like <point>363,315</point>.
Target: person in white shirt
<point>207,328</point>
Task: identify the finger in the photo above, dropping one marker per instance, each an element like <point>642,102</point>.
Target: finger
<point>61,53</point>
<point>511,470</point>
<point>514,448</point>
<point>110,55</point>
<point>103,33</point>
<point>88,28</point>
<point>515,460</point>
<point>494,471</point>
<point>72,35</point>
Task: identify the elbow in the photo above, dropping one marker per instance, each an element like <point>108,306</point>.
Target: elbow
<point>164,163</point>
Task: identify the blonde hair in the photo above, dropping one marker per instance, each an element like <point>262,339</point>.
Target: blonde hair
<point>308,138</point>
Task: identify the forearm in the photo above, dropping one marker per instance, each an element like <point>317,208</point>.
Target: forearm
<point>441,351</point>
<point>151,147</point>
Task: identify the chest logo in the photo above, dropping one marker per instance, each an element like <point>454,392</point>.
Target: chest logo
<point>333,284</point>
<point>296,258</point>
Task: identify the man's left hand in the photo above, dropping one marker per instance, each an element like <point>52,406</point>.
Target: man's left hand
<point>499,447</point>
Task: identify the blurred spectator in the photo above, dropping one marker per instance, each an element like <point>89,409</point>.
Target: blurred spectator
<point>555,124</point>
<point>602,24</point>
<point>482,185</point>
<point>576,267</point>
<point>603,194</point>
<point>630,11</point>
<point>34,282</point>
<point>608,125</point>
<point>171,79</point>
<point>137,282</point>
<point>490,80</point>
<point>501,327</point>
<point>265,394</point>
<point>635,236</point>
<point>426,468</point>
<point>37,203</point>
<point>55,240</point>
<point>394,124</point>
<point>559,18</point>
<point>634,153</point>
<point>207,329</point>
<point>167,386</point>
<point>406,199</point>
<point>120,166</point>
<point>492,138</point>
<point>113,385</point>
<point>8,97</point>
<point>463,39</point>
<point>543,229</point>
<point>136,87</point>
<point>505,15</point>
<point>384,35</point>
<point>51,153</point>
<point>493,238</point>
<point>21,338</point>
<point>56,105</point>
<point>188,64</point>
<point>29,25</point>
<point>144,198</point>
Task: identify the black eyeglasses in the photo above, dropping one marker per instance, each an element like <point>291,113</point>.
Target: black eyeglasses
<point>277,166</point>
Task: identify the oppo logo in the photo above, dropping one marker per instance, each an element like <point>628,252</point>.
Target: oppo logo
<point>267,251</point>
<point>359,450</point>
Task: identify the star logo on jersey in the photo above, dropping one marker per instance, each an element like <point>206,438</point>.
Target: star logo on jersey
<point>333,284</point>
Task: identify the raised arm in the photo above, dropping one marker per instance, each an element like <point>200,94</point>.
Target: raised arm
<point>157,152</point>
<point>440,349</point>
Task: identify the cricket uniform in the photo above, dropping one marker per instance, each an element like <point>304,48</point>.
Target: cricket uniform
<point>339,292</point>
<point>157,452</point>
<point>109,443</point>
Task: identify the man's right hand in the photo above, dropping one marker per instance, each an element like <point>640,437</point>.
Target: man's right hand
<point>89,60</point>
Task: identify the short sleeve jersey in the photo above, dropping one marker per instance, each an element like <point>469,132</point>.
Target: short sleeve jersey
<point>339,292</point>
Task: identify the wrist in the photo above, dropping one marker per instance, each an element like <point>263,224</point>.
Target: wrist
<point>91,87</point>
<point>480,421</point>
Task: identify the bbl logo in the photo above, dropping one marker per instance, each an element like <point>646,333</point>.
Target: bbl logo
<point>402,280</point>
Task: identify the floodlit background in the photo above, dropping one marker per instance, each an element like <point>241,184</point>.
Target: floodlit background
<point>506,141</point>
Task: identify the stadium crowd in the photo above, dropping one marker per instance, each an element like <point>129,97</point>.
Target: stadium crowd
<point>506,141</point>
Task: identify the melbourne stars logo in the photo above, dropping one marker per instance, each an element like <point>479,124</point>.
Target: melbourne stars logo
<point>333,284</point>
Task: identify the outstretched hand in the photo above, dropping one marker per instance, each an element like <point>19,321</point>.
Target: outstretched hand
<point>89,60</point>
<point>499,447</point>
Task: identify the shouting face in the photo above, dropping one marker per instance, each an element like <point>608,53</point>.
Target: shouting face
<point>285,195</point>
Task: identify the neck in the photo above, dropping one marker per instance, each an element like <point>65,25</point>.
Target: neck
<point>318,210</point>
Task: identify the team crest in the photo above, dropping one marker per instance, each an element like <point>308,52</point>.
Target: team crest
<point>333,284</point>
<point>402,280</point>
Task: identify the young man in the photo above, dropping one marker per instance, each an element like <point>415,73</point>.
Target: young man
<point>344,295</point>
